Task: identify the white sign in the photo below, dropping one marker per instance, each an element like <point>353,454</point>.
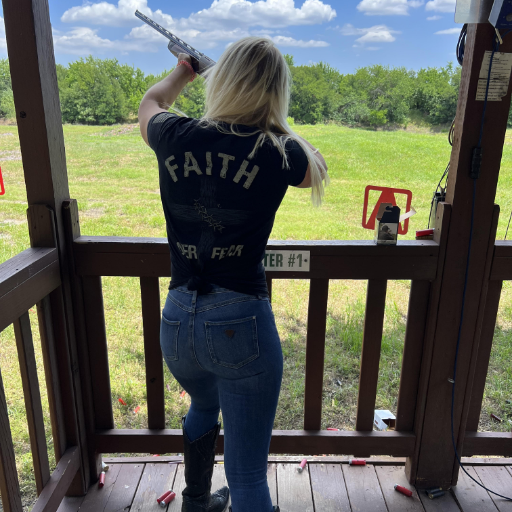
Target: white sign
<point>500,76</point>
<point>287,261</point>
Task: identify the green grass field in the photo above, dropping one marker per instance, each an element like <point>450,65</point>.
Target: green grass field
<point>114,178</point>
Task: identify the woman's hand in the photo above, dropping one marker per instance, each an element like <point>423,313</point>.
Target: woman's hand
<point>185,56</point>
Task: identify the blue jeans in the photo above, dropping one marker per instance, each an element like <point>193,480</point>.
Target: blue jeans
<point>224,350</point>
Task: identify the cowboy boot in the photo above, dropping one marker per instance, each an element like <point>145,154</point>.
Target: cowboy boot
<point>199,458</point>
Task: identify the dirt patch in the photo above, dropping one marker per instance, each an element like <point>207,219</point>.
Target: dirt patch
<point>93,213</point>
<point>12,222</point>
<point>7,134</point>
<point>15,154</point>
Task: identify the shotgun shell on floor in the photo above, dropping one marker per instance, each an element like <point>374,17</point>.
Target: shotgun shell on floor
<point>357,462</point>
<point>403,490</point>
<point>433,494</point>
<point>101,483</point>
<point>302,465</point>
<point>164,495</point>
<point>167,499</point>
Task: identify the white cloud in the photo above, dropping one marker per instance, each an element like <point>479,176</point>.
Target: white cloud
<point>83,41</point>
<point>441,5</point>
<point>434,18</point>
<point>221,14</point>
<point>375,34</point>
<point>289,41</point>
<point>388,7</point>
<point>3,41</point>
<point>449,31</point>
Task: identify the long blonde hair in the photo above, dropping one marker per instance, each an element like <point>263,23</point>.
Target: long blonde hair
<point>250,84</point>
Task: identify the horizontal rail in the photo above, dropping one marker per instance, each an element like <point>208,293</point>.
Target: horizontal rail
<point>306,442</point>
<point>26,279</point>
<point>487,443</point>
<point>339,259</point>
<point>502,262</point>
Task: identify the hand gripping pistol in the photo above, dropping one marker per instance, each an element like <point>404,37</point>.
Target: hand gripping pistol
<point>200,62</point>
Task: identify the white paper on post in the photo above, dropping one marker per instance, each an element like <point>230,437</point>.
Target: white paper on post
<point>500,76</point>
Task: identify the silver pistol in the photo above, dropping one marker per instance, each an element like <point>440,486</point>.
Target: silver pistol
<point>200,62</point>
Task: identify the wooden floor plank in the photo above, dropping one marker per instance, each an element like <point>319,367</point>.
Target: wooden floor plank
<point>363,489</point>
<point>294,489</point>
<point>70,504</point>
<point>97,499</point>
<point>445,503</point>
<point>328,486</point>
<point>272,482</point>
<point>156,480</point>
<point>177,487</point>
<point>499,480</point>
<point>470,496</point>
<point>219,479</point>
<point>397,502</point>
<point>125,487</point>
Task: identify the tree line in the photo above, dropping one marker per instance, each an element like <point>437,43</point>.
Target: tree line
<point>96,91</point>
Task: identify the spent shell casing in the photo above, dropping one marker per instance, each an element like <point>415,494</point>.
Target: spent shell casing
<point>302,465</point>
<point>403,490</point>
<point>357,462</point>
<point>435,494</point>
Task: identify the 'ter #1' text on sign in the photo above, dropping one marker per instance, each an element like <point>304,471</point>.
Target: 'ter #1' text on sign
<point>287,261</point>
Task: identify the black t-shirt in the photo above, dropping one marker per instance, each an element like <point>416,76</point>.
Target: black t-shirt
<point>219,205</point>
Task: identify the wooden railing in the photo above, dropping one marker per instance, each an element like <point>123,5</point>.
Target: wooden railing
<point>149,259</point>
<point>33,277</point>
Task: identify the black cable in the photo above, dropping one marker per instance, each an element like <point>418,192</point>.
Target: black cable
<point>461,44</point>
<point>496,46</point>
<point>435,191</point>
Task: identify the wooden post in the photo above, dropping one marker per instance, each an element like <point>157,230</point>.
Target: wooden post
<point>36,98</point>
<point>434,463</point>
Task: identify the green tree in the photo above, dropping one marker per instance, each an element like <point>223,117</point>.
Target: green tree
<point>6,97</point>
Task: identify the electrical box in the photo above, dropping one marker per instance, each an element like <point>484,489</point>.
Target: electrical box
<point>501,14</point>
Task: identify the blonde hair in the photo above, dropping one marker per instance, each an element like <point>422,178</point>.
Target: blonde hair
<point>250,84</point>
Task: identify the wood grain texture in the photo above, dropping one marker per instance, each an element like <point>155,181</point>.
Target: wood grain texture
<point>294,489</point>
<point>9,485</point>
<point>59,483</point>
<point>97,498</point>
<point>304,442</point>
<point>363,489</point>
<point>490,443</point>
<point>499,480</point>
<point>397,502</point>
<point>470,496</point>
<point>445,503</point>
<point>71,504</point>
<point>178,487</point>
<point>315,349</point>
<point>328,487</point>
<point>32,397</point>
<point>272,482</point>
<point>155,481</point>
<point>370,358</point>
<point>125,487</point>
<point>413,352</point>
<point>150,299</point>
<point>98,350</point>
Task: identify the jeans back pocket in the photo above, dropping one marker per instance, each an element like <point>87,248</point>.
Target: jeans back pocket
<point>169,338</point>
<point>232,343</point>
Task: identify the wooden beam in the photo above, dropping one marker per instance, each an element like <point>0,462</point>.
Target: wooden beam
<point>33,407</point>
<point>307,442</point>
<point>9,485</point>
<point>340,259</point>
<point>436,461</point>
<point>487,443</point>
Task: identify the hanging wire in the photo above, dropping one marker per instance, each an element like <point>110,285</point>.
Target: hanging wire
<point>508,226</point>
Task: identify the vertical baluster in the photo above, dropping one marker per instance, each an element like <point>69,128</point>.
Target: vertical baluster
<point>492,305</point>
<point>315,349</point>
<point>98,350</point>
<point>413,351</point>
<point>150,295</point>
<point>370,358</point>
<point>28,370</point>
<point>9,485</point>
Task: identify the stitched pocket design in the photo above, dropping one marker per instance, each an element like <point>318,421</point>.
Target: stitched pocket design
<point>233,343</point>
<point>169,338</point>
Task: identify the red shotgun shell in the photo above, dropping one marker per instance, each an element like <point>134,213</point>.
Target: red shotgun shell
<point>403,490</point>
<point>101,483</point>
<point>164,495</point>
<point>357,462</point>
<point>167,499</point>
<point>302,465</point>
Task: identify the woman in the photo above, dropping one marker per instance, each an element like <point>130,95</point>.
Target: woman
<point>222,179</point>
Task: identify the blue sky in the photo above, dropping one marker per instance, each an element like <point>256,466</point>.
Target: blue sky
<point>346,34</point>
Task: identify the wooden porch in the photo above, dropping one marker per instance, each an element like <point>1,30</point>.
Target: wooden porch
<point>62,275</point>
<point>327,484</point>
